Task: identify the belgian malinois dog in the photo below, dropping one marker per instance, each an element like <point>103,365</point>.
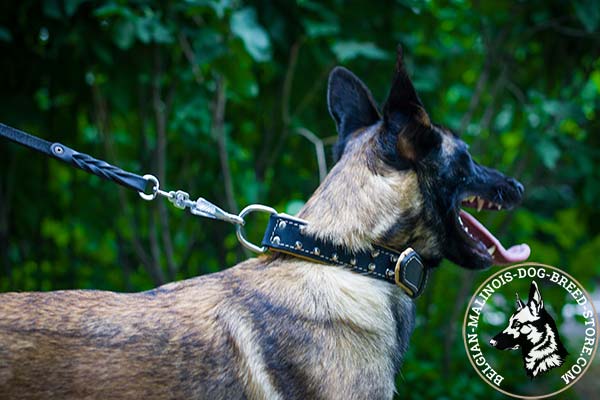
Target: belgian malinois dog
<point>277,326</point>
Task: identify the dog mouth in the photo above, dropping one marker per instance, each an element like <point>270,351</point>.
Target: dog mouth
<point>480,240</point>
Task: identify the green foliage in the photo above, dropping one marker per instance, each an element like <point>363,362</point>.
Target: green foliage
<point>245,26</point>
<point>138,84</point>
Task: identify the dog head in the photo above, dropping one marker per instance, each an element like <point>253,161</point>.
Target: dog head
<point>403,143</point>
<point>525,325</point>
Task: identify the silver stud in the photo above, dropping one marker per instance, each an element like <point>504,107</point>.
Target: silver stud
<point>317,251</point>
<point>393,258</point>
<point>375,253</point>
<point>298,245</point>
<point>389,273</point>
<point>276,240</point>
<point>353,261</point>
<point>334,257</point>
<point>371,267</point>
<point>303,229</point>
<point>282,224</point>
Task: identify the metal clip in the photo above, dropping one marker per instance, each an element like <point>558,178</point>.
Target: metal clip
<point>205,208</point>
<point>181,200</point>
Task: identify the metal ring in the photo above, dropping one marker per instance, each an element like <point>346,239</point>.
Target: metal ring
<point>155,188</point>
<point>239,229</point>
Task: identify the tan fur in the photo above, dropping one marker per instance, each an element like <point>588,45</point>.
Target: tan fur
<point>358,212</point>
<point>423,117</point>
<point>77,344</point>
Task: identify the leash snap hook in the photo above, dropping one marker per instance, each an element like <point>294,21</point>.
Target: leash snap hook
<point>181,200</point>
<point>239,229</point>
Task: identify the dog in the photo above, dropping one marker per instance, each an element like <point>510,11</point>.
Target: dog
<point>532,329</point>
<point>278,326</point>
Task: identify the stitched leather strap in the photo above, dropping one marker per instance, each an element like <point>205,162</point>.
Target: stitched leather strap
<point>286,234</point>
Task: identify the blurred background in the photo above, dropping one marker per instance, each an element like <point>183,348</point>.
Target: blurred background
<point>226,100</point>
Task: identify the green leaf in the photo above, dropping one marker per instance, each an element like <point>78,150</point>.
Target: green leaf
<point>124,34</point>
<point>349,50</point>
<point>5,35</point>
<point>504,118</point>
<point>111,10</point>
<point>256,41</point>
<point>548,152</point>
<point>52,9</point>
<point>162,34</point>
<point>71,6</point>
<point>316,29</point>
<point>56,231</point>
<point>595,78</point>
<point>588,12</point>
<point>143,29</point>
<point>220,7</point>
<point>208,45</point>
<point>42,98</point>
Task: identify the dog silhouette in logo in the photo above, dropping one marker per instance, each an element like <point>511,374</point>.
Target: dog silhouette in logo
<point>533,330</point>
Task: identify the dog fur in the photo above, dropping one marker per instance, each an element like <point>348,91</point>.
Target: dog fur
<point>273,327</point>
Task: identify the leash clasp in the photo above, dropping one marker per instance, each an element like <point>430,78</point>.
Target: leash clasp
<point>181,199</point>
<point>204,208</point>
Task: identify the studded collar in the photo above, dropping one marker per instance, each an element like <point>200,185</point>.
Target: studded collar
<point>287,234</point>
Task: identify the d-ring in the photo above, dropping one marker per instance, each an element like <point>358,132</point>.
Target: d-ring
<point>239,229</point>
<point>155,188</point>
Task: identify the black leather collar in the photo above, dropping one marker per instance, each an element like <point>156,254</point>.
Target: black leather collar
<point>286,234</point>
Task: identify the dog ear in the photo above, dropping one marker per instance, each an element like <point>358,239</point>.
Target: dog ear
<point>520,303</point>
<point>535,302</point>
<point>405,116</point>
<point>403,98</point>
<point>350,102</point>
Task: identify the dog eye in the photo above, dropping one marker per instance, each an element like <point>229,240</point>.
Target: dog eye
<point>516,325</point>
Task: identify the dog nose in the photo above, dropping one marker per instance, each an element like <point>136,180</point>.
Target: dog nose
<point>493,342</point>
<point>517,185</point>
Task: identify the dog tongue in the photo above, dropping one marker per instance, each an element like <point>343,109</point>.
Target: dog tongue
<point>501,255</point>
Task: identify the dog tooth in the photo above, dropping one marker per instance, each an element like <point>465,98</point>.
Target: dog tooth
<point>499,207</point>
<point>491,249</point>
<point>480,203</point>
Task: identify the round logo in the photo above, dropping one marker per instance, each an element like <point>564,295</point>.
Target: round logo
<point>531,331</point>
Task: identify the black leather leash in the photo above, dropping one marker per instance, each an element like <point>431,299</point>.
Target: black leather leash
<point>288,235</point>
<point>284,233</point>
<point>76,159</point>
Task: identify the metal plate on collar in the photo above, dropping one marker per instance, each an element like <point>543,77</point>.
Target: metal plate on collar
<point>410,273</point>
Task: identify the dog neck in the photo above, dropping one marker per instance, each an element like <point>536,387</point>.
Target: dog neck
<point>361,200</point>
